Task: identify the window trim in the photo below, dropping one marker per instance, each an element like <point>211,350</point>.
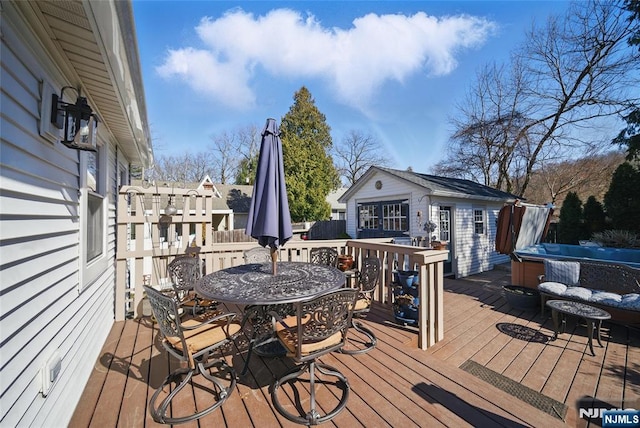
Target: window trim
<point>379,207</point>
<point>387,220</point>
<point>91,269</point>
<point>482,222</point>
<point>376,217</point>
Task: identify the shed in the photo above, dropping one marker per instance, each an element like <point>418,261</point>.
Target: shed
<point>393,203</point>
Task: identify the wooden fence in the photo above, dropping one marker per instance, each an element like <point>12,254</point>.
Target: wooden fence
<point>329,229</point>
<point>237,235</point>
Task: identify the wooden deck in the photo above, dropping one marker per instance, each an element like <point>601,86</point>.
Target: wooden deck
<point>397,385</point>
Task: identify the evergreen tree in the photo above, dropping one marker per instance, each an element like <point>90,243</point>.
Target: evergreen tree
<point>630,136</point>
<point>246,173</point>
<point>593,215</point>
<point>309,170</point>
<point>622,200</point>
<point>570,229</point>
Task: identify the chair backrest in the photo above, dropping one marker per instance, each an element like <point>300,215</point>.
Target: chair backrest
<point>184,271</point>
<point>322,317</point>
<point>324,256</point>
<point>369,274</point>
<point>165,311</point>
<point>257,255</point>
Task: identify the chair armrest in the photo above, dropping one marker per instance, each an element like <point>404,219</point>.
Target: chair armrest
<point>540,278</point>
<point>229,316</point>
<point>276,318</point>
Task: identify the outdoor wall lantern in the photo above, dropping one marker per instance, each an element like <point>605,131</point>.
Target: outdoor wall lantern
<point>78,122</point>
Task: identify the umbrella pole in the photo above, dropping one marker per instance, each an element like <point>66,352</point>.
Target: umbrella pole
<point>274,259</point>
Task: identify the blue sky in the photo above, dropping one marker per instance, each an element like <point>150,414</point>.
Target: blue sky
<point>394,70</point>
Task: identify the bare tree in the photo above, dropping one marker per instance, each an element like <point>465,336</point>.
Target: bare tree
<point>587,176</point>
<point>226,159</point>
<point>570,73</point>
<point>221,161</point>
<point>356,154</point>
<point>249,138</point>
<point>484,145</point>
<point>189,167</point>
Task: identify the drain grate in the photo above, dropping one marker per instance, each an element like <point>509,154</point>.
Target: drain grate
<point>510,386</point>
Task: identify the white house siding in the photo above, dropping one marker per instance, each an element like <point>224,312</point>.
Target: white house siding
<point>473,253</point>
<point>42,310</point>
<point>392,189</point>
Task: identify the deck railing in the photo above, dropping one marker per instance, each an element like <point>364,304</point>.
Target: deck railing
<point>148,240</point>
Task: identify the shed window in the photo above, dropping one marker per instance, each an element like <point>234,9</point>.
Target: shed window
<point>478,221</point>
<point>395,217</point>
<point>368,217</point>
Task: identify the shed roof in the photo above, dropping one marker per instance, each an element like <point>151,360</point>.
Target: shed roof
<point>435,185</point>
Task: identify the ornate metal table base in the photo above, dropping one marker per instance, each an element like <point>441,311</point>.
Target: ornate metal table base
<point>593,317</point>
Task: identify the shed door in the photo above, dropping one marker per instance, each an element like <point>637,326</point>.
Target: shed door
<point>446,235</point>
<point>383,219</point>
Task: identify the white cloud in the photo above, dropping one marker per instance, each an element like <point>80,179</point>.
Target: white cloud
<point>354,61</point>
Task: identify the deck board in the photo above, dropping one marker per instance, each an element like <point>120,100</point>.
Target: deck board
<point>395,384</point>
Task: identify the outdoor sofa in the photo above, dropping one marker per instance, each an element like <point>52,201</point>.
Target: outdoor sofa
<point>609,286</point>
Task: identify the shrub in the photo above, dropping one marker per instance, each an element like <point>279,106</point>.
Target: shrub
<point>622,200</point>
<point>617,239</point>
<point>593,214</point>
<point>570,229</point>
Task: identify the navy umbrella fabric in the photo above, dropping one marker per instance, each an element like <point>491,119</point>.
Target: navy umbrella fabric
<point>269,218</point>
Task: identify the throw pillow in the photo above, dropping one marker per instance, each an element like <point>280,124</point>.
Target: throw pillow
<point>565,272</point>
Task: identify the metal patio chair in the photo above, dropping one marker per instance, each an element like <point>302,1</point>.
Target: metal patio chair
<point>367,283</point>
<point>324,256</point>
<point>183,272</point>
<point>263,342</point>
<point>192,342</point>
<point>257,255</point>
<point>319,327</point>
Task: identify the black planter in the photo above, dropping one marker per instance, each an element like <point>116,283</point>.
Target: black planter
<point>521,297</point>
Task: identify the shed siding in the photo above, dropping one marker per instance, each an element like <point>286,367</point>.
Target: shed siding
<point>41,309</point>
<point>392,189</point>
<point>471,253</point>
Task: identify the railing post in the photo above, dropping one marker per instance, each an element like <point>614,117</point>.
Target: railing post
<point>431,308</point>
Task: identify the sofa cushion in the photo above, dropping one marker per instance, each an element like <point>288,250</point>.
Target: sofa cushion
<point>552,288</point>
<point>606,298</point>
<point>631,301</point>
<point>567,273</point>
<point>580,293</point>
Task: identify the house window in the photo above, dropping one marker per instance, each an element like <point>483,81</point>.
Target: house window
<point>368,217</point>
<point>95,202</point>
<point>93,188</point>
<point>478,221</point>
<point>395,217</point>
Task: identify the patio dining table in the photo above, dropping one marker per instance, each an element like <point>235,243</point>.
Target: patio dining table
<point>254,283</point>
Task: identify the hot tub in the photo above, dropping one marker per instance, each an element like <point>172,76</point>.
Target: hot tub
<point>527,264</point>
<point>540,252</point>
<point>522,226</point>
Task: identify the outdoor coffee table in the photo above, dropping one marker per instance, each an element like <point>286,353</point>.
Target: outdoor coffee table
<point>592,315</point>
<point>254,284</point>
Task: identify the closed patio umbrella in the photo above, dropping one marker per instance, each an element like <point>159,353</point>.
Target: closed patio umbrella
<point>269,218</point>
